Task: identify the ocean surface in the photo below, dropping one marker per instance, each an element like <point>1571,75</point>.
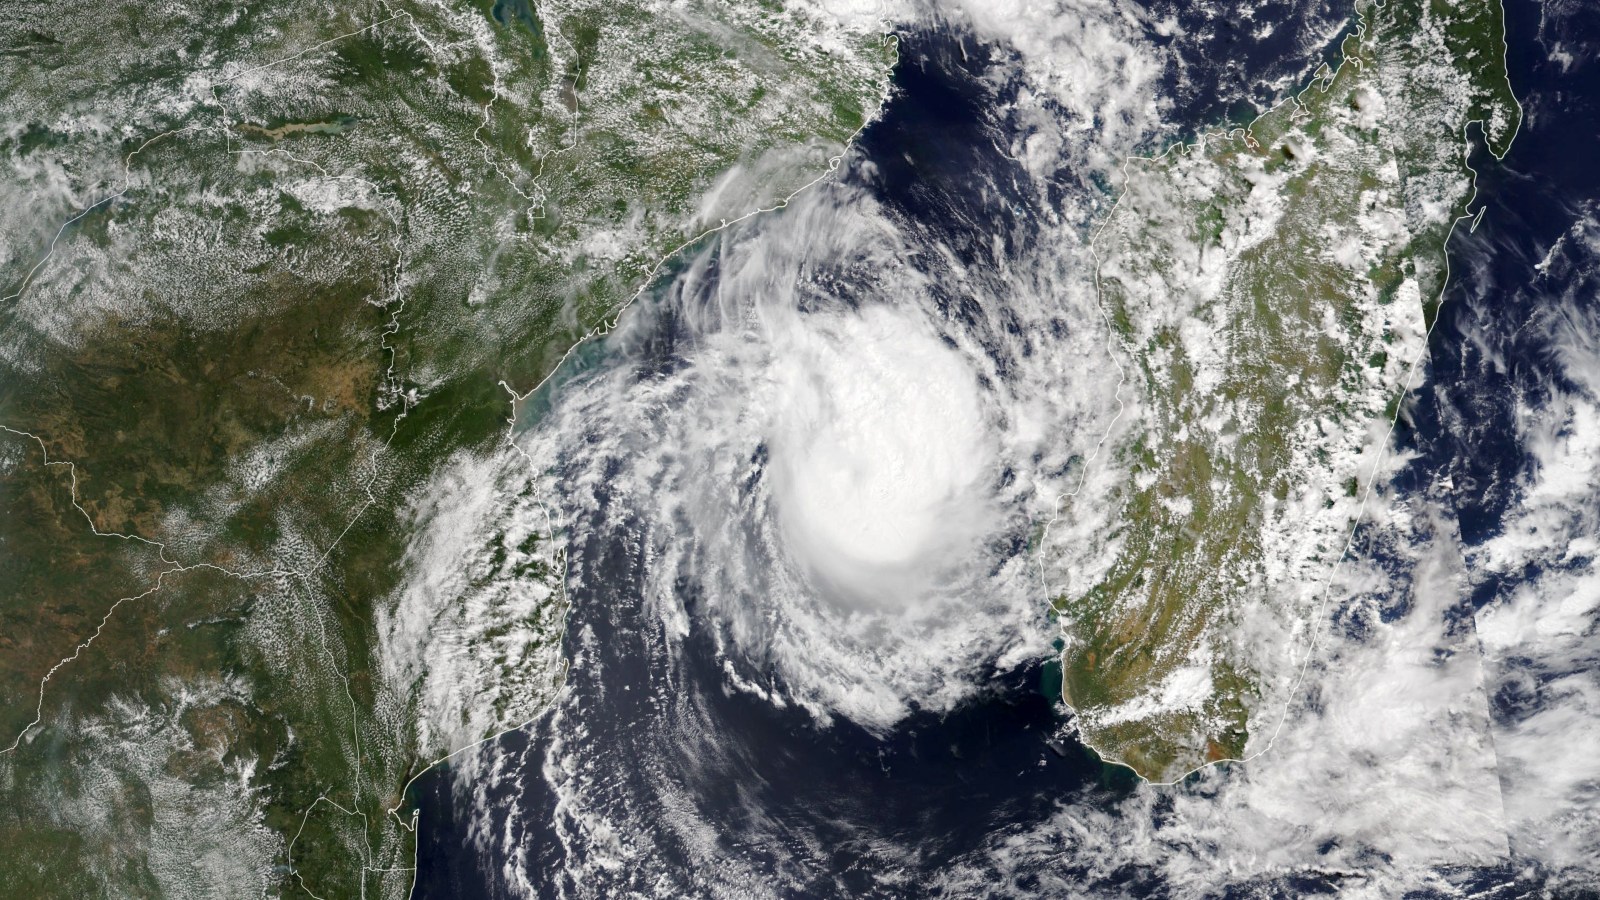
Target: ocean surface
<point>847,811</point>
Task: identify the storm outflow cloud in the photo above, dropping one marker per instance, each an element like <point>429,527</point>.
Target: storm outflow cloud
<point>832,443</point>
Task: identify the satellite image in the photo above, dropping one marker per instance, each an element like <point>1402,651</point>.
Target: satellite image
<point>788,449</point>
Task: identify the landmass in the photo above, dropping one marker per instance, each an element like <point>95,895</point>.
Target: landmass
<point>271,276</point>
<point>1270,290</point>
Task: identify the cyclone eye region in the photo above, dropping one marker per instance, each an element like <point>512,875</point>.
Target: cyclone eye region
<point>880,452</point>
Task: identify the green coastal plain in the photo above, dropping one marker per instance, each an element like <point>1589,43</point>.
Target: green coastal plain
<point>268,271</point>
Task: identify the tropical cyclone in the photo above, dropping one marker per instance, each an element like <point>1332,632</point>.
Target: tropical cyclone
<point>1271,291</point>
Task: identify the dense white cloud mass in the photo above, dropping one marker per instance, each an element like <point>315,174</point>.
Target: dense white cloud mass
<point>877,446</point>
<point>844,482</point>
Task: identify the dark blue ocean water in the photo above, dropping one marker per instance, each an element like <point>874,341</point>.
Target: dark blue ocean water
<point>835,809</point>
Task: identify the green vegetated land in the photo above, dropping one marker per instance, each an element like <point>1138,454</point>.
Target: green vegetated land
<point>332,232</point>
<point>1270,288</point>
